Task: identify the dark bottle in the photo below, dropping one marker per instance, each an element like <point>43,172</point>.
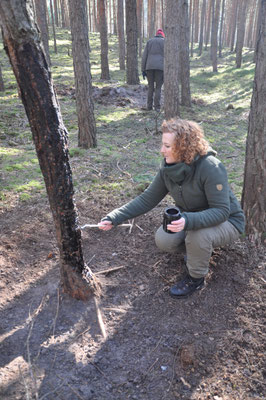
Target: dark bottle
<point>170,214</point>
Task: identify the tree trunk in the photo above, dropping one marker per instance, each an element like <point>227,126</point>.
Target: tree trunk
<point>234,24</point>
<point>121,34</point>
<point>192,8</point>
<point>104,40</point>
<point>221,30</point>
<point>50,137</point>
<point>248,41</point>
<point>132,42</point>
<point>56,13</point>
<point>2,86</point>
<point>63,13</point>
<point>184,66</point>
<point>196,22</point>
<point>202,23</point>
<point>151,18</point>
<point>254,191</point>
<point>208,24</point>
<point>241,27</point>
<point>40,7</point>
<point>215,23</point>
<point>83,87</point>
<point>114,17</point>
<point>171,89</point>
<point>139,19</point>
<point>53,25</point>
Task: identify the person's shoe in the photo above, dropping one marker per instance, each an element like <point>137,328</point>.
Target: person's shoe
<point>186,286</point>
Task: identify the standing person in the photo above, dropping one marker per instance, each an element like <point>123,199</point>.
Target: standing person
<point>210,213</point>
<point>152,66</point>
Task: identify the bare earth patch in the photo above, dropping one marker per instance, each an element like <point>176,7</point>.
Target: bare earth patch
<point>135,342</point>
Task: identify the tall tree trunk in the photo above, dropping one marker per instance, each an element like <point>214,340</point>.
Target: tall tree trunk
<point>241,27</point>
<point>50,137</point>
<point>151,18</point>
<point>208,24</point>
<point>184,66</point>
<point>53,25</point>
<point>114,17</point>
<point>202,23</point>
<point>139,20</point>
<point>95,17</point>
<point>221,30</point>
<point>196,22</point>
<point>80,51</point>
<point>214,39</point>
<point>40,7</point>
<point>121,34</point>
<point>234,24</point>
<point>256,30</point>
<point>132,42</point>
<point>254,191</point>
<point>171,87</point>
<point>192,6</point>
<point>63,13</point>
<point>56,13</point>
<point>104,40</point>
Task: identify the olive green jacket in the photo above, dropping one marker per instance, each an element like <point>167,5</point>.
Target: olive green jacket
<point>200,190</point>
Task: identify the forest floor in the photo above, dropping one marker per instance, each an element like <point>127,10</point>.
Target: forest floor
<point>133,342</point>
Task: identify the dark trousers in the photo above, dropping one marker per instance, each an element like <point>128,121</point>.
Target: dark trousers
<point>155,77</point>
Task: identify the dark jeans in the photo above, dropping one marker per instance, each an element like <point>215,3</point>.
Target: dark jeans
<point>154,76</point>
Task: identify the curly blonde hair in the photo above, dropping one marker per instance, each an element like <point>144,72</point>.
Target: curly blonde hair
<point>189,139</point>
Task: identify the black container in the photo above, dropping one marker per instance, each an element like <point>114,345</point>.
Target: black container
<point>170,214</point>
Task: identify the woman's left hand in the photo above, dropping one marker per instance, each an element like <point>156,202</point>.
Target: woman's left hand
<point>177,226</point>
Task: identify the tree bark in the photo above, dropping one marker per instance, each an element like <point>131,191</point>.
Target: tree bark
<point>132,42</point>
<point>208,24</point>
<point>121,34</point>
<point>171,89</point>
<point>40,8</point>
<point>214,37</point>
<point>202,23</point>
<point>184,65</point>
<point>241,27</point>
<point>83,86</point>
<point>254,190</point>
<point>22,44</point>
<point>53,26</point>
<point>221,30</point>
<point>139,19</point>
<point>104,40</point>
<point>234,23</point>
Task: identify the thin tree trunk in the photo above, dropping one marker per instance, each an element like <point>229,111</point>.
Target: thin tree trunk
<point>171,87</point>
<point>132,42</point>
<point>53,26</point>
<point>56,13</point>
<point>51,141</point>
<point>221,30</point>
<point>202,23</point>
<point>42,23</point>
<point>184,66</point>
<point>254,190</point>
<point>139,19</point>
<point>234,24</point>
<point>114,17</point>
<point>196,21</point>
<point>80,51</point>
<point>214,39</point>
<point>192,4</point>
<point>121,34</point>
<point>241,26</point>
<point>208,24</point>
<point>104,40</point>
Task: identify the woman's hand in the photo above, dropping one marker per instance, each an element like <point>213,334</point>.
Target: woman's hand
<point>177,226</point>
<point>105,225</point>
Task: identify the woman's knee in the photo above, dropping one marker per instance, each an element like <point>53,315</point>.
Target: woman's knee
<point>169,242</point>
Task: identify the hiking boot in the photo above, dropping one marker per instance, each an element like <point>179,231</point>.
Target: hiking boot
<point>186,286</point>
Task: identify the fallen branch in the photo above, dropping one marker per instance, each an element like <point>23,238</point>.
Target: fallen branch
<point>108,271</point>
